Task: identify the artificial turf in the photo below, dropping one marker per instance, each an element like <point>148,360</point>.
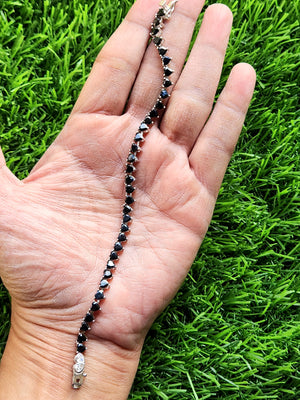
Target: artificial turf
<point>233,330</point>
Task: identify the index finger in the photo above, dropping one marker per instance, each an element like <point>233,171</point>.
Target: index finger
<point>117,64</point>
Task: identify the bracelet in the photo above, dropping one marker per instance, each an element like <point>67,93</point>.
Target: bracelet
<point>162,14</point>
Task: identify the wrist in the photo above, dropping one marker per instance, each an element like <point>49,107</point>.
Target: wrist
<point>40,366</point>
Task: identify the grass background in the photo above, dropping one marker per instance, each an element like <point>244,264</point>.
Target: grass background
<point>233,330</point>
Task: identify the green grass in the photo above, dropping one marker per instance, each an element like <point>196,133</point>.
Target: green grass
<point>233,330</point>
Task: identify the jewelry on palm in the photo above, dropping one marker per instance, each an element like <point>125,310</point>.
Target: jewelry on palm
<point>164,13</point>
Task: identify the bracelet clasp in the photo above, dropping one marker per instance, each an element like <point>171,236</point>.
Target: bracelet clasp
<point>78,371</point>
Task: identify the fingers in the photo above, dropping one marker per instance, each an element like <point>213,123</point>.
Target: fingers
<point>192,98</point>
<point>177,35</point>
<point>212,151</point>
<point>116,66</point>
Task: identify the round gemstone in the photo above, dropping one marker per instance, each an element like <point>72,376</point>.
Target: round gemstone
<point>124,228</point>
<point>107,274</point>
<point>122,237</point>
<point>126,218</point>
<point>110,264</point>
<point>78,367</point>
<point>99,295</point>
<point>79,359</point>
<point>81,338</point>
<point>118,246</point>
<point>129,179</point>
<point>89,317</point>
<point>104,284</point>
<point>113,255</point>
<point>84,327</point>
<point>81,347</point>
<point>129,200</point>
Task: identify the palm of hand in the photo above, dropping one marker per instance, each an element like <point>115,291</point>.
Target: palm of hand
<point>63,219</point>
<point>65,216</point>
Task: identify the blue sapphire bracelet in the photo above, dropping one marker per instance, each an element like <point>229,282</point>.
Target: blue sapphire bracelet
<point>162,14</point>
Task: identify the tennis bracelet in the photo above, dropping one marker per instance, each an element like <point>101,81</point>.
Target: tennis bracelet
<point>164,13</point>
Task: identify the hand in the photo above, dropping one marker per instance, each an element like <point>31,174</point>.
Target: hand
<point>58,226</point>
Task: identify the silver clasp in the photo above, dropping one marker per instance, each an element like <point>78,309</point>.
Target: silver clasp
<point>78,371</point>
<point>169,8</point>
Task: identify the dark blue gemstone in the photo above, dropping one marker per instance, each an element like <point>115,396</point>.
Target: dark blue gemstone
<point>124,228</point>
<point>81,338</point>
<point>122,237</point>
<point>126,209</point>
<point>104,284</point>
<point>89,317</point>
<point>139,137</point>
<point>129,179</point>
<point>129,169</point>
<point>162,50</point>
<point>129,189</point>
<point>95,306</point>
<point>107,274</point>
<point>164,94</point>
<point>129,200</point>
<point>167,83</point>
<point>132,158</point>
<point>110,264</point>
<point>80,348</point>
<point>168,71</point>
<point>126,218</point>
<point>135,147</point>
<point>113,255</point>
<point>143,127</point>
<point>118,246</point>
<point>157,40</point>
<point>159,105</point>
<point>166,60</point>
<point>84,327</point>
<point>99,295</point>
<point>148,121</point>
<point>153,113</point>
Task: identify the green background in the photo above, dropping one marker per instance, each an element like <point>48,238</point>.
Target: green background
<point>233,330</point>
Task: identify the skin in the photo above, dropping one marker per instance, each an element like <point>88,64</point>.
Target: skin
<point>58,226</point>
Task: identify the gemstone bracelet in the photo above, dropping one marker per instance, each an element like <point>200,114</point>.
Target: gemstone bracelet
<point>162,14</point>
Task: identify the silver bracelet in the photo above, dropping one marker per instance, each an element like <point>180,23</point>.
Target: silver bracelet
<point>164,13</point>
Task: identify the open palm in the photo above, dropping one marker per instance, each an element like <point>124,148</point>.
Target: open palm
<point>59,225</point>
